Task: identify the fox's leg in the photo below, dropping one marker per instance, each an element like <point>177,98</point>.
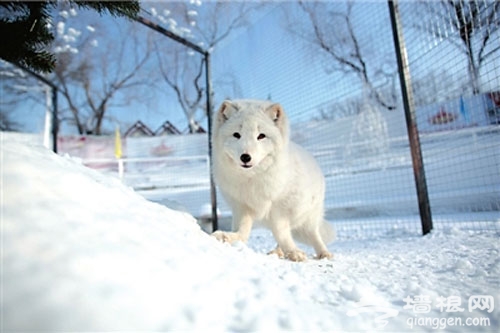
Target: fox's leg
<point>310,233</point>
<point>319,246</point>
<point>283,235</point>
<point>242,225</point>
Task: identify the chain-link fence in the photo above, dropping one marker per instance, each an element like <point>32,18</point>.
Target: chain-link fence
<point>333,67</point>
<point>454,61</point>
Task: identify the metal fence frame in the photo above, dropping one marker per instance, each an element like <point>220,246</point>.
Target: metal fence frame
<point>409,108</point>
<point>424,204</point>
<point>209,106</point>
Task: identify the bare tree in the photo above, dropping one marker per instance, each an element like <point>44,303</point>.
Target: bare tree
<point>469,25</point>
<point>330,28</point>
<point>91,81</point>
<point>184,74</point>
<point>182,69</point>
<point>96,77</point>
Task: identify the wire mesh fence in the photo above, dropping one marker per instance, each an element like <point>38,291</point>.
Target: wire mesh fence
<point>332,65</point>
<point>457,120</point>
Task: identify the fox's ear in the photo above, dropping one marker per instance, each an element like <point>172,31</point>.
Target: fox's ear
<point>225,111</point>
<point>275,112</point>
<point>278,116</point>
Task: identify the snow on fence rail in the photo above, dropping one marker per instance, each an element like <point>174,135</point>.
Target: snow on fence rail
<point>143,173</point>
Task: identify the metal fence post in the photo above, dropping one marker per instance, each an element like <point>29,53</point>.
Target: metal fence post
<point>411,124</point>
<point>55,122</point>
<point>206,55</point>
<point>213,192</point>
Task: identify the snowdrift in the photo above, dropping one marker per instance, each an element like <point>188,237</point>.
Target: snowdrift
<point>82,252</point>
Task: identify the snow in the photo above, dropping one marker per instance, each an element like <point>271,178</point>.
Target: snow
<point>74,33</point>
<point>60,28</point>
<point>69,38</point>
<point>65,48</point>
<point>82,252</point>
<point>172,23</point>
<point>64,14</point>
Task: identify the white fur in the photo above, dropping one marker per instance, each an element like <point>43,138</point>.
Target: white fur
<point>282,185</point>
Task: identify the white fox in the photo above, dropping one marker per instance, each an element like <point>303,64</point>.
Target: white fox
<point>265,177</point>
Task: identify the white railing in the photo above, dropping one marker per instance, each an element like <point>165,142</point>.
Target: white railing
<point>154,172</point>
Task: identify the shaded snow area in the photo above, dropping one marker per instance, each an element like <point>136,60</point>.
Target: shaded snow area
<point>82,252</point>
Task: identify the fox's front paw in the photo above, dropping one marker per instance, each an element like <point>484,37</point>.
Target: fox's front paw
<point>324,255</point>
<point>277,251</point>
<point>227,237</point>
<point>295,255</point>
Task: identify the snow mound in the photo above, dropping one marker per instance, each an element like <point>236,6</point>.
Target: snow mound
<point>82,252</point>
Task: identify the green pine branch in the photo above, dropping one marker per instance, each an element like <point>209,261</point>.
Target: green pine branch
<point>25,36</point>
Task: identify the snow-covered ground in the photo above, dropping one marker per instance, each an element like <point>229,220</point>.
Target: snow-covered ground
<point>82,252</point>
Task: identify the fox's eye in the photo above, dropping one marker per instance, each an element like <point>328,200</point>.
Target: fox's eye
<point>261,136</point>
<point>236,135</point>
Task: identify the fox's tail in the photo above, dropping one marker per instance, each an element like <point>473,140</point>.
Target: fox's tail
<point>327,232</point>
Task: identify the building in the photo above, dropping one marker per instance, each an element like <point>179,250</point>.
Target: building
<point>138,130</point>
<point>167,129</point>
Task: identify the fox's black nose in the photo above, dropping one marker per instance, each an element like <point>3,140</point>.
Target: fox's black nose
<point>245,158</point>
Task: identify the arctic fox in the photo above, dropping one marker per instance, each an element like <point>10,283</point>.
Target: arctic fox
<point>265,177</point>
